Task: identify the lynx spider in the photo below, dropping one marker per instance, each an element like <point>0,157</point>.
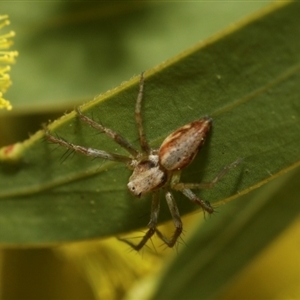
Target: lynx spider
<point>154,169</point>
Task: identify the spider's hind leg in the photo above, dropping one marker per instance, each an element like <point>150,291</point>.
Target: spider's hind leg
<point>177,185</point>
<point>186,188</point>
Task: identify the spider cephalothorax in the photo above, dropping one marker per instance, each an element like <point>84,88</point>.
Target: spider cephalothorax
<point>154,169</point>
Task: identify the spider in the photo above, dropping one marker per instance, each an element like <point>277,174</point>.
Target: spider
<point>155,169</point>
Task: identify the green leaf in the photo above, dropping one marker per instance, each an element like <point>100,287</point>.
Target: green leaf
<point>246,78</point>
<point>219,251</point>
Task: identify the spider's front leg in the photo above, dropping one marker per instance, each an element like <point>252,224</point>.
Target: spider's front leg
<point>151,225</point>
<point>176,220</point>
<point>138,117</point>
<point>84,150</point>
<point>109,132</point>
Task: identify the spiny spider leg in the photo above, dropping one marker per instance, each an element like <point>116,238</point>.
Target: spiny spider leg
<point>138,117</point>
<point>185,188</point>
<point>205,205</point>
<point>206,185</point>
<point>86,151</point>
<point>181,186</point>
<point>176,219</point>
<point>155,207</point>
<point>112,134</point>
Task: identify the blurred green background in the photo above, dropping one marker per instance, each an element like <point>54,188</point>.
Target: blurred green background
<point>70,52</point>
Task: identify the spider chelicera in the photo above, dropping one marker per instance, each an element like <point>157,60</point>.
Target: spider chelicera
<point>155,169</point>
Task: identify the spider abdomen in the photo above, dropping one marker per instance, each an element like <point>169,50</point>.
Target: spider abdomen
<point>180,148</point>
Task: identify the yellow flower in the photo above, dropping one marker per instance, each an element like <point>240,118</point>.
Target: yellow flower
<point>6,57</point>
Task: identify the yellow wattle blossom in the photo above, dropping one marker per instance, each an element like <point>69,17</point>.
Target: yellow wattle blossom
<point>6,57</point>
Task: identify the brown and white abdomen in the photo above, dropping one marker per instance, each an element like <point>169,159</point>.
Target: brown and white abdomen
<point>180,148</point>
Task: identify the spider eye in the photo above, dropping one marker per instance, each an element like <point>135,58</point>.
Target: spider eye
<point>133,191</point>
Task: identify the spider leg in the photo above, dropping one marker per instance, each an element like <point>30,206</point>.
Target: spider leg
<point>86,151</point>
<point>207,185</point>
<point>109,132</point>
<point>138,117</point>
<point>205,205</point>
<point>185,188</point>
<point>176,219</point>
<point>151,225</point>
